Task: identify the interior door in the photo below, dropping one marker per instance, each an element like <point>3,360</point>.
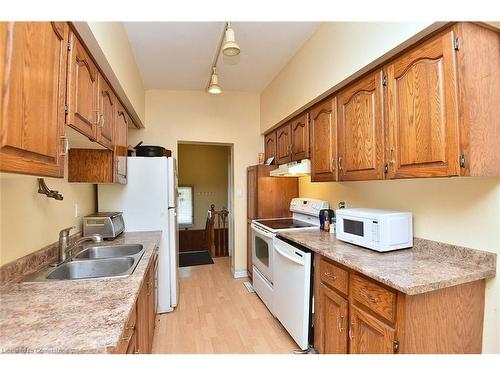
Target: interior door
<point>422,111</point>
<point>32,98</point>
<point>323,141</point>
<point>369,335</point>
<point>360,130</point>
<point>333,322</point>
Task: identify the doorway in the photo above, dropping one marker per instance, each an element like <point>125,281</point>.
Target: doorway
<point>205,202</point>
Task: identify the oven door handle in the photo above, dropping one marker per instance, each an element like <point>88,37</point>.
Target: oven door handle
<point>280,252</point>
<point>262,232</point>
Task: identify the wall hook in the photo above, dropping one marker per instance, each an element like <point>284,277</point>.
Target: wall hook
<point>43,189</point>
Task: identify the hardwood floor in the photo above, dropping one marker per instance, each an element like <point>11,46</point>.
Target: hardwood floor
<point>216,315</point>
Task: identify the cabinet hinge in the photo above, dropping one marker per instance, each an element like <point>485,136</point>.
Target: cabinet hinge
<point>384,80</point>
<point>386,168</point>
<point>462,161</point>
<point>66,109</point>
<point>456,43</point>
<point>395,346</point>
<point>69,46</point>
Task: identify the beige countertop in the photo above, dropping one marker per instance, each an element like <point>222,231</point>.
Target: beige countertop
<point>425,267</point>
<point>77,316</point>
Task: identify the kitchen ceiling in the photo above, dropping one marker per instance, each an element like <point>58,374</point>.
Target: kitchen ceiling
<point>178,55</point>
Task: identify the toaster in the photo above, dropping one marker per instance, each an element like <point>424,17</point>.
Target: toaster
<point>107,224</point>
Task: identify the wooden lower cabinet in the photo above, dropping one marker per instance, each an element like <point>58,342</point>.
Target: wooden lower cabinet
<point>368,317</point>
<point>369,335</point>
<point>137,337</point>
<point>333,322</point>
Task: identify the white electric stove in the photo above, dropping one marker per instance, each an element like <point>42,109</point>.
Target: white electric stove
<point>281,271</point>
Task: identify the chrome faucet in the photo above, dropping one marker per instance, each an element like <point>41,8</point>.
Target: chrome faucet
<point>66,250</point>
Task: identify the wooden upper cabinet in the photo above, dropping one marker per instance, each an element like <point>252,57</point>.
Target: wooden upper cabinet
<point>284,144</point>
<point>333,320</point>
<point>32,98</point>
<point>107,111</point>
<point>368,335</point>
<point>322,122</point>
<point>300,137</point>
<point>360,130</point>
<point>121,143</point>
<point>83,114</point>
<point>270,146</point>
<point>422,111</point>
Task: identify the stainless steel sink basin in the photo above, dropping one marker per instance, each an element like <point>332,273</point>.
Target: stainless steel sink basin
<point>110,251</point>
<point>88,269</point>
<point>94,262</point>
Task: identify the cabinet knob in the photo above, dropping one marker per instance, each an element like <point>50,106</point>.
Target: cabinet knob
<point>330,276</point>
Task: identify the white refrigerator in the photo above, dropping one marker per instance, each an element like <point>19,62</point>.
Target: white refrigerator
<point>149,202</point>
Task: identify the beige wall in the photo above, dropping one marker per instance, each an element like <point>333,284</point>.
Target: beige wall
<point>30,221</point>
<point>113,41</point>
<point>333,53</point>
<point>209,182</point>
<point>229,118</point>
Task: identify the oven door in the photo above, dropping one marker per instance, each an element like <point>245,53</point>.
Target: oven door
<point>262,251</point>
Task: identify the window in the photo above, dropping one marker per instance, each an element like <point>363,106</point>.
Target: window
<point>185,214</point>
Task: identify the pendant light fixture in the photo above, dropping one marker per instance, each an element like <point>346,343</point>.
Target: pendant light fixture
<point>230,48</point>
<point>214,87</point>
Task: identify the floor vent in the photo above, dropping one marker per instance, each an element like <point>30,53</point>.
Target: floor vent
<point>249,287</point>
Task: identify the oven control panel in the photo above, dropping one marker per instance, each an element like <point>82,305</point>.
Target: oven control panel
<point>308,206</point>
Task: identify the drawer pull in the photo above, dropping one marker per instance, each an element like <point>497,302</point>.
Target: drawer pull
<point>351,336</point>
<point>130,327</point>
<point>365,294</point>
<point>330,275</point>
<point>126,338</point>
<point>341,323</point>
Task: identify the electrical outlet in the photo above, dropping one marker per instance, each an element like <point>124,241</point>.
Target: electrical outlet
<point>77,209</point>
<point>342,204</point>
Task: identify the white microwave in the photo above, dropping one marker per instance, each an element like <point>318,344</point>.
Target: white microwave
<point>374,229</point>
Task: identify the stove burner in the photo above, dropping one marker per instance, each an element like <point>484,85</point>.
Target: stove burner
<point>278,224</point>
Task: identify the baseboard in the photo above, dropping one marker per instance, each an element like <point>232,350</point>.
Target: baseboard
<point>240,274</point>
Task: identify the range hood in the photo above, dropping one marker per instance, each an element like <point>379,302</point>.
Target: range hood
<point>293,169</point>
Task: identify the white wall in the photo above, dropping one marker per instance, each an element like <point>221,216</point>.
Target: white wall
<point>196,116</point>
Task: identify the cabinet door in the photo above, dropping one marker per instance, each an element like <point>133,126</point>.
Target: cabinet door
<point>300,137</point>
<point>142,320</point>
<point>82,90</point>
<point>107,109</point>
<point>284,144</point>
<point>252,192</point>
<point>360,130</point>
<point>368,335</point>
<point>270,146</point>
<point>32,98</point>
<point>333,322</point>
<point>121,144</point>
<point>323,141</point>
<point>422,111</point>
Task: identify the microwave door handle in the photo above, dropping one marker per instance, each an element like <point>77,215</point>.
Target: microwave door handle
<point>288,256</point>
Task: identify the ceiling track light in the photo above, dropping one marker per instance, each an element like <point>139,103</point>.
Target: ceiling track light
<point>229,47</point>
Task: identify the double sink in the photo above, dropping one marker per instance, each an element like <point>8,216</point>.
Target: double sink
<point>95,262</point>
